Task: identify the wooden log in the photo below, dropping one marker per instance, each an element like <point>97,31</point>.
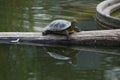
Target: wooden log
<point>83,38</point>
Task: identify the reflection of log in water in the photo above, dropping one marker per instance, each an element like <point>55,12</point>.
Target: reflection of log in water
<point>113,74</point>
<point>83,38</point>
<point>112,51</point>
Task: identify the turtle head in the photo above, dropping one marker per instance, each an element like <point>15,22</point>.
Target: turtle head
<point>73,23</point>
<point>73,26</point>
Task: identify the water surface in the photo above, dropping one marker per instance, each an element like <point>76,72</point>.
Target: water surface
<point>116,13</point>
<point>33,15</point>
<point>27,62</point>
<point>24,62</point>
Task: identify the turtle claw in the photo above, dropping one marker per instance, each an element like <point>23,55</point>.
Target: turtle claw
<point>44,33</point>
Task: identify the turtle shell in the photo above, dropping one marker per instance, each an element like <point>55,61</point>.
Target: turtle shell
<point>58,25</point>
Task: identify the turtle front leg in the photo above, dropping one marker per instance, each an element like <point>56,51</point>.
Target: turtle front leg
<point>77,29</point>
<point>67,35</point>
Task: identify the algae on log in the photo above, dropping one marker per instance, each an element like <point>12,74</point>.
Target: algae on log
<point>83,38</point>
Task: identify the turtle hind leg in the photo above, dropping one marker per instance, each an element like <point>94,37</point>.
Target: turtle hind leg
<point>45,32</point>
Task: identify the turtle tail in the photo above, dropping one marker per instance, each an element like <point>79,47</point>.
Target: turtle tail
<point>45,32</point>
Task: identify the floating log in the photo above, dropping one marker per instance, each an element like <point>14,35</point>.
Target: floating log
<point>83,38</point>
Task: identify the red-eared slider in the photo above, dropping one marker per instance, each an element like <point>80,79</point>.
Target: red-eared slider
<point>61,27</point>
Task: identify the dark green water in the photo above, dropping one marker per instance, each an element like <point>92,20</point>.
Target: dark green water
<point>116,14</point>
<point>32,15</point>
<point>27,62</point>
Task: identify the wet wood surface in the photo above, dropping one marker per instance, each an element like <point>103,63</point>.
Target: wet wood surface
<point>83,38</point>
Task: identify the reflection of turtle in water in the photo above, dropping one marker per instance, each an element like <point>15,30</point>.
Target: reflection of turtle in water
<point>58,56</point>
<point>63,54</point>
<point>61,27</point>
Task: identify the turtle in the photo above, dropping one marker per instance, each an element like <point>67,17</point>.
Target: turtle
<point>61,27</point>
